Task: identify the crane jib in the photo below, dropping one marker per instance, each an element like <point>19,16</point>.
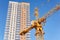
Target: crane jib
<point>51,12</point>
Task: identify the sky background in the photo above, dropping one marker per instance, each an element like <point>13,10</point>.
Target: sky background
<point>52,26</point>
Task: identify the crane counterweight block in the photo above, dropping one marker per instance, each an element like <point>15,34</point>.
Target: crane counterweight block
<point>58,7</point>
<point>23,32</point>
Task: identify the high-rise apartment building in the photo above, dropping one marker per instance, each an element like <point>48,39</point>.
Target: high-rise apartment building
<point>18,18</point>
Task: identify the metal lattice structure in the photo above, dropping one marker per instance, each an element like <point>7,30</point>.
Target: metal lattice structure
<point>37,24</point>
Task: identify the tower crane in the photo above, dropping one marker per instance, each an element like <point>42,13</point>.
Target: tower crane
<point>37,24</point>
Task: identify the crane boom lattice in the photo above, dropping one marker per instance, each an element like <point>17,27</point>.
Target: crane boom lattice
<point>52,11</point>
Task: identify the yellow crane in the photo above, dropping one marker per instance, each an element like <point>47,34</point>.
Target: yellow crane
<point>37,24</point>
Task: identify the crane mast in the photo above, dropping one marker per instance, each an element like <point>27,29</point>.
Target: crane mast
<point>37,24</point>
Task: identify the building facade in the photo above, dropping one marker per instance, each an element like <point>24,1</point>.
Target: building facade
<point>18,18</point>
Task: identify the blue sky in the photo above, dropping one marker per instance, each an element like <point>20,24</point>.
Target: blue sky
<point>52,27</point>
